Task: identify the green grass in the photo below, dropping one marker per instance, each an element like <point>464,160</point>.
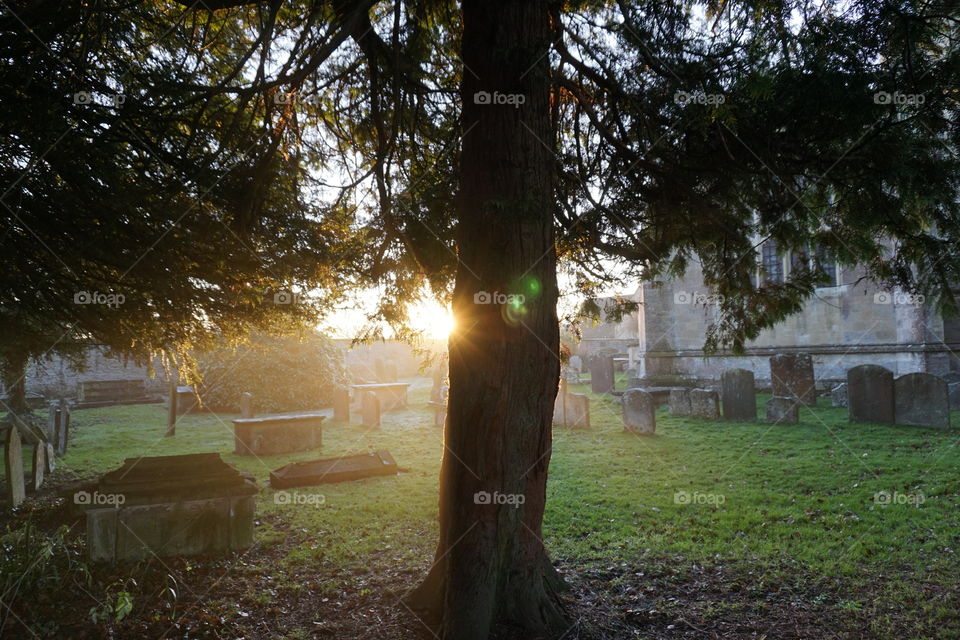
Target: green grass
<point>771,497</point>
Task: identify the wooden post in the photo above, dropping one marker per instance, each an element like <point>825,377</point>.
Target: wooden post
<point>172,413</point>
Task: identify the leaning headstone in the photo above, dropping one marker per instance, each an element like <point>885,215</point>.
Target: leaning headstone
<point>953,391</point>
<point>782,410</point>
<point>680,402</point>
<point>601,374</point>
<point>704,403</point>
<point>639,412</point>
<point>870,394</point>
<point>739,395</point>
<point>370,409</point>
<point>791,375</point>
<point>50,456</point>
<point>838,395</point>
<point>13,466</point>
<point>921,399</point>
<point>246,405</point>
<point>341,404</point>
<point>37,468</point>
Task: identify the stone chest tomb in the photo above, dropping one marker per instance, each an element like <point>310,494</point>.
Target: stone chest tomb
<point>168,506</point>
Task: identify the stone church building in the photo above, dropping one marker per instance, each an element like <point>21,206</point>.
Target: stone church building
<point>849,321</point>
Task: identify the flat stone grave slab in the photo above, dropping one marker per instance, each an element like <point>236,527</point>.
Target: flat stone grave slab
<point>284,433</point>
<point>328,470</point>
<point>168,506</point>
<point>393,395</point>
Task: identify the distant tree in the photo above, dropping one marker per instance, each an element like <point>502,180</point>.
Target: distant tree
<point>474,150</point>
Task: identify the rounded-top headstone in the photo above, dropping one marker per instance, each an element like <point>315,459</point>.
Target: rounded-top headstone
<point>921,399</point>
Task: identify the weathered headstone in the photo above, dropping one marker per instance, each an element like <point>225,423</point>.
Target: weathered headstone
<point>791,375</point>
<point>680,402</point>
<point>601,374</point>
<point>921,399</point>
<point>953,391</point>
<point>782,410</point>
<point>50,457</point>
<point>246,405</point>
<point>52,423</point>
<point>634,383</point>
<point>560,404</point>
<point>370,409</point>
<point>578,411</point>
<point>739,394</point>
<point>13,466</point>
<point>39,463</point>
<point>704,403</point>
<point>341,404</point>
<point>870,394</point>
<point>838,395</point>
<point>639,412</point>
<point>576,363</point>
<point>63,427</point>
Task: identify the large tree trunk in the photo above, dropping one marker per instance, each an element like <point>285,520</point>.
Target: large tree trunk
<point>491,567</point>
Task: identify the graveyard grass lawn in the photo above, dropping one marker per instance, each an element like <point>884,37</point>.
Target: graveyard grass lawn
<point>707,529</point>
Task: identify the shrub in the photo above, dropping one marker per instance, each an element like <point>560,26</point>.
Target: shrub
<point>282,373</point>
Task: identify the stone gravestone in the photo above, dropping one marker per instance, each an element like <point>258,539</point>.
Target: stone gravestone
<point>838,395</point>
<point>370,409</point>
<point>870,394</point>
<point>246,405</point>
<point>953,391</point>
<point>782,410</point>
<point>792,377</point>
<point>578,410</point>
<point>634,383</point>
<point>704,403</point>
<point>739,395</point>
<point>37,468</point>
<point>52,423</point>
<point>680,402</point>
<point>560,404</point>
<point>639,412</point>
<point>576,363</point>
<point>601,374</point>
<point>13,465</point>
<point>921,399</point>
<point>49,457</point>
<point>63,427</point>
<point>341,404</point>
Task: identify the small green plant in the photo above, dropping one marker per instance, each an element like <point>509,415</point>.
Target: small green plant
<point>114,608</point>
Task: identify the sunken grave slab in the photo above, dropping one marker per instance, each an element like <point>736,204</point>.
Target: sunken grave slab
<point>328,470</point>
